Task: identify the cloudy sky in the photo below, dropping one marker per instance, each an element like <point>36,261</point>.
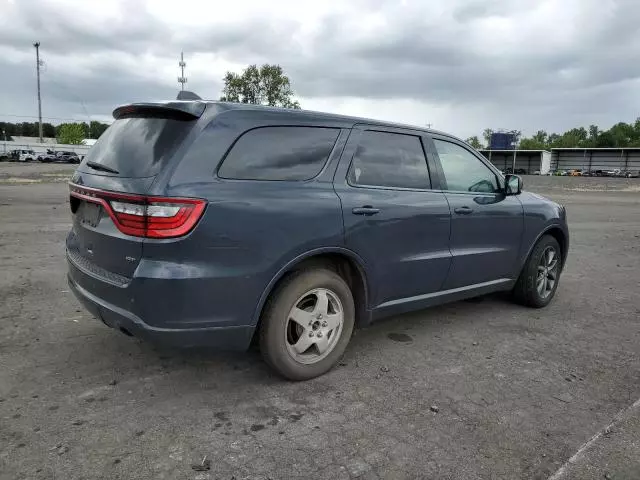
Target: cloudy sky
<point>461,65</point>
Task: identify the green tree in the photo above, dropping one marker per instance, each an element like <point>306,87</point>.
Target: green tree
<point>48,130</point>
<point>605,139</point>
<point>536,142</point>
<point>474,142</point>
<point>636,133</point>
<point>541,137</point>
<point>265,85</point>
<point>532,144</point>
<point>486,134</point>
<point>27,129</point>
<point>71,133</point>
<point>9,129</point>
<point>594,131</point>
<point>96,129</point>
<point>622,134</point>
<point>554,138</point>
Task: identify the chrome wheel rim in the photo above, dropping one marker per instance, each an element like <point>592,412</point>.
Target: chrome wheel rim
<point>547,272</point>
<point>314,325</point>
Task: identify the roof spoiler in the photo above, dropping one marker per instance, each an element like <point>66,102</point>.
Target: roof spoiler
<point>177,110</point>
<point>187,95</point>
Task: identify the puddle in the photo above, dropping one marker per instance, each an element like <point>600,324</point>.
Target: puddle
<point>400,337</point>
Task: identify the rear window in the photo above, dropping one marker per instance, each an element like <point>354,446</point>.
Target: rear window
<point>279,153</point>
<point>137,147</point>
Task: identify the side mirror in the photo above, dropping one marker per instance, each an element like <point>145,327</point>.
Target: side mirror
<point>512,185</point>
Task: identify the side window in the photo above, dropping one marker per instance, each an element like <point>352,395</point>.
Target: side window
<point>279,153</point>
<point>463,171</point>
<point>389,160</point>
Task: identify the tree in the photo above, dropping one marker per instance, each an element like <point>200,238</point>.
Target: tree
<point>71,133</point>
<point>540,137</point>
<point>48,130</point>
<point>267,85</point>
<point>605,139</point>
<point>531,144</point>
<point>487,136</point>
<point>96,129</point>
<point>622,134</point>
<point>594,132</point>
<point>474,142</point>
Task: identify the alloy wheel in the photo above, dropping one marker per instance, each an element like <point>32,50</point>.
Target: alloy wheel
<point>314,326</point>
<point>547,272</point>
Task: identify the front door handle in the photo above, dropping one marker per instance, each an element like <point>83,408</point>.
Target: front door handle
<point>366,210</point>
<point>463,210</point>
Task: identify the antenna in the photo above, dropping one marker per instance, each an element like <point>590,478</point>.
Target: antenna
<point>182,79</point>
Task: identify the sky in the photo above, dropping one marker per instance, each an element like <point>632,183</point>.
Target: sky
<point>458,65</point>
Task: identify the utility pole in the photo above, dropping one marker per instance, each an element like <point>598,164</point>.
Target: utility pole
<point>37,45</point>
<point>182,79</point>
<point>429,125</point>
<point>514,144</point>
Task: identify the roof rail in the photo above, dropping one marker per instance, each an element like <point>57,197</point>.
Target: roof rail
<point>187,95</point>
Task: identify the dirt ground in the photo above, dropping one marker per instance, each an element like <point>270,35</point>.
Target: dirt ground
<point>472,390</point>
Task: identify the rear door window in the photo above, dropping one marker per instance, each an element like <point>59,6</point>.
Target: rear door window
<point>137,147</point>
<point>279,153</point>
<point>386,159</point>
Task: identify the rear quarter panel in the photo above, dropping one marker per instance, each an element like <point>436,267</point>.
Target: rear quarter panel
<point>217,275</point>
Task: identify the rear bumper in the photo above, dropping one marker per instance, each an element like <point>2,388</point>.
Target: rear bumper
<point>220,338</point>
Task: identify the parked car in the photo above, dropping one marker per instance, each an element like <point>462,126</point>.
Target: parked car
<point>25,155</point>
<point>68,157</point>
<point>235,221</point>
<point>575,173</point>
<point>59,156</point>
<point>48,157</point>
<point>616,172</point>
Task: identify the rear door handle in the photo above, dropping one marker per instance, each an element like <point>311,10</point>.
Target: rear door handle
<point>366,210</point>
<point>463,210</point>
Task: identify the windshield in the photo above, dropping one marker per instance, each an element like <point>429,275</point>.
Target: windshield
<point>137,147</point>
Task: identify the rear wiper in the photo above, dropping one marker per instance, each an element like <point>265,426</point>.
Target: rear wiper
<point>99,166</point>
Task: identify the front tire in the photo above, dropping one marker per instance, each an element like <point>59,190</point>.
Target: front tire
<point>307,324</point>
<point>540,275</point>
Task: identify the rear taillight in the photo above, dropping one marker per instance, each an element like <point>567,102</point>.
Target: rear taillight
<point>144,216</point>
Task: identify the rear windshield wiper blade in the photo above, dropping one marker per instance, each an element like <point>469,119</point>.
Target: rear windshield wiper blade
<point>99,166</point>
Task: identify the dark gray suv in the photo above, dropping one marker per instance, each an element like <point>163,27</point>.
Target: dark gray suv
<point>210,224</point>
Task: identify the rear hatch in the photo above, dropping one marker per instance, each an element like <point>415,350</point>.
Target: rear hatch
<point>112,213</point>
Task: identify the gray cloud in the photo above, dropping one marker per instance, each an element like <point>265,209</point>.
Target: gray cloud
<point>503,60</point>
<point>63,33</point>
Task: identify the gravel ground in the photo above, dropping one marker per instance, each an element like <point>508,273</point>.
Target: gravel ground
<point>472,390</point>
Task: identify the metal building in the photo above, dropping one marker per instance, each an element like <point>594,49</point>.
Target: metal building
<point>626,159</point>
<point>529,161</point>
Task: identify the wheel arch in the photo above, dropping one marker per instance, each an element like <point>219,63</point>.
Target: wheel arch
<point>341,260</point>
<point>556,232</point>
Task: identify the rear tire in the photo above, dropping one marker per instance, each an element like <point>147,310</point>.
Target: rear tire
<point>540,275</point>
<point>326,327</point>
